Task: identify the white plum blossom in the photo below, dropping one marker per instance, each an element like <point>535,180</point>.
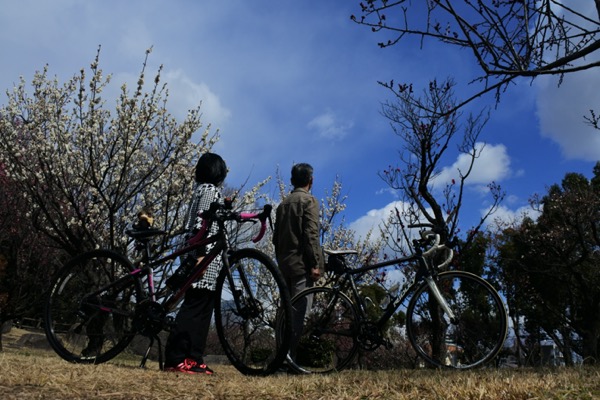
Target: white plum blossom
<point>86,170</point>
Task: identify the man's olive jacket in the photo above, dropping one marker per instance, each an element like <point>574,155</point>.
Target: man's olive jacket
<point>296,234</point>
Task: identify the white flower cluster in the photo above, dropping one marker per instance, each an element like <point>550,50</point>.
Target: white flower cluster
<point>87,170</point>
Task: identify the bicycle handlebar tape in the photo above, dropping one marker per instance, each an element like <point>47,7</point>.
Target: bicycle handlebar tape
<point>267,209</point>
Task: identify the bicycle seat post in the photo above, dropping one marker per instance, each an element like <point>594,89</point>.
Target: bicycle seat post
<point>146,252</point>
<point>143,246</point>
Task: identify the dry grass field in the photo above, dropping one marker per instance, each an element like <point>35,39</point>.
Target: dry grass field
<point>32,373</point>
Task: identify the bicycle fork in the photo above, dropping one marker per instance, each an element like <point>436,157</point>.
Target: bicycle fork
<point>440,299</point>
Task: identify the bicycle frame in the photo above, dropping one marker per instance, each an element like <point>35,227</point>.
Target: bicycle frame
<point>424,273</point>
<point>199,240</point>
<point>147,270</point>
<point>220,247</point>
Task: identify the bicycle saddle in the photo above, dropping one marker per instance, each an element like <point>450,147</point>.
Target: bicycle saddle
<point>341,252</point>
<point>144,233</point>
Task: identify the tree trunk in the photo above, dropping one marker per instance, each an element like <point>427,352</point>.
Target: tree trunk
<point>590,347</point>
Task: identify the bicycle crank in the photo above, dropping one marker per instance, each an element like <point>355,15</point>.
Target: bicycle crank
<point>150,318</point>
<point>370,337</point>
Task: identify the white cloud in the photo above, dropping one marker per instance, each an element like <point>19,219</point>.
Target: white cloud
<point>561,109</point>
<point>561,112</point>
<point>504,216</point>
<point>493,165</point>
<point>135,37</point>
<point>329,126</point>
<point>185,94</point>
<point>373,219</point>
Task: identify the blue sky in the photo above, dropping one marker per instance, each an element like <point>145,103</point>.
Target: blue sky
<point>296,81</point>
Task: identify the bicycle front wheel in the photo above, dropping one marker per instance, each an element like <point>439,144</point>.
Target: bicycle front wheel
<point>253,302</point>
<point>324,331</point>
<point>89,311</point>
<point>476,333</point>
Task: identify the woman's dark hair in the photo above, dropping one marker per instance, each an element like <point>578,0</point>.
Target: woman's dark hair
<point>301,174</point>
<point>211,169</point>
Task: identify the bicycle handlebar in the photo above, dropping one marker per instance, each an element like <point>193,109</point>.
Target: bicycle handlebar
<point>262,217</point>
<point>436,246</point>
<point>223,212</point>
<point>426,235</point>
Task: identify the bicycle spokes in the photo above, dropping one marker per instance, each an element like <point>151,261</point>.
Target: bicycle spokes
<point>90,310</point>
<point>325,329</point>
<point>474,334</point>
<point>249,312</point>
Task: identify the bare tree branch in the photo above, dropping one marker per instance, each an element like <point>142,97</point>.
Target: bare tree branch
<point>508,39</point>
<point>427,131</point>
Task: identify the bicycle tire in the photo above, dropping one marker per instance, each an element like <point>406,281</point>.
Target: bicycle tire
<point>475,336</point>
<point>86,319</point>
<point>327,340</point>
<point>247,328</point>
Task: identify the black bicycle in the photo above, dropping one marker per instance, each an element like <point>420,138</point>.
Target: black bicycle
<point>454,319</point>
<point>100,300</point>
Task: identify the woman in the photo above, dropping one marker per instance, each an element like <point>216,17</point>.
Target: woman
<point>187,341</point>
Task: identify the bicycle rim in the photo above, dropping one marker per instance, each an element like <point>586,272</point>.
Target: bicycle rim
<point>253,302</point>
<point>476,334</point>
<point>324,331</point>
<point>87,319</point>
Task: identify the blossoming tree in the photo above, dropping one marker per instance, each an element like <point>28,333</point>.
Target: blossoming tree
<point>75,174</point>
<point>84,171</point>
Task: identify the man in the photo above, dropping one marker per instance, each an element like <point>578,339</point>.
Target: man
<point>297,244</point>
<point>296,234</point>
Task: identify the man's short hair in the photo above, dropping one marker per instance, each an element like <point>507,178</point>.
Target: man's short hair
<point>301,174</point>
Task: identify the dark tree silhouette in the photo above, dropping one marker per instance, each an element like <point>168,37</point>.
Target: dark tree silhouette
<point>552,266</point>
<point>427,135</point>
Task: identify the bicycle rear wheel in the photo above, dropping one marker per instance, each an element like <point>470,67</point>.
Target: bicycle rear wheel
<point>324,331</point>
<point>89,311</point>
<point>473,337</point>
<point>253,301</point>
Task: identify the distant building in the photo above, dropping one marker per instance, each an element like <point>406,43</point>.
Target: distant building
<point>550,354</point>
